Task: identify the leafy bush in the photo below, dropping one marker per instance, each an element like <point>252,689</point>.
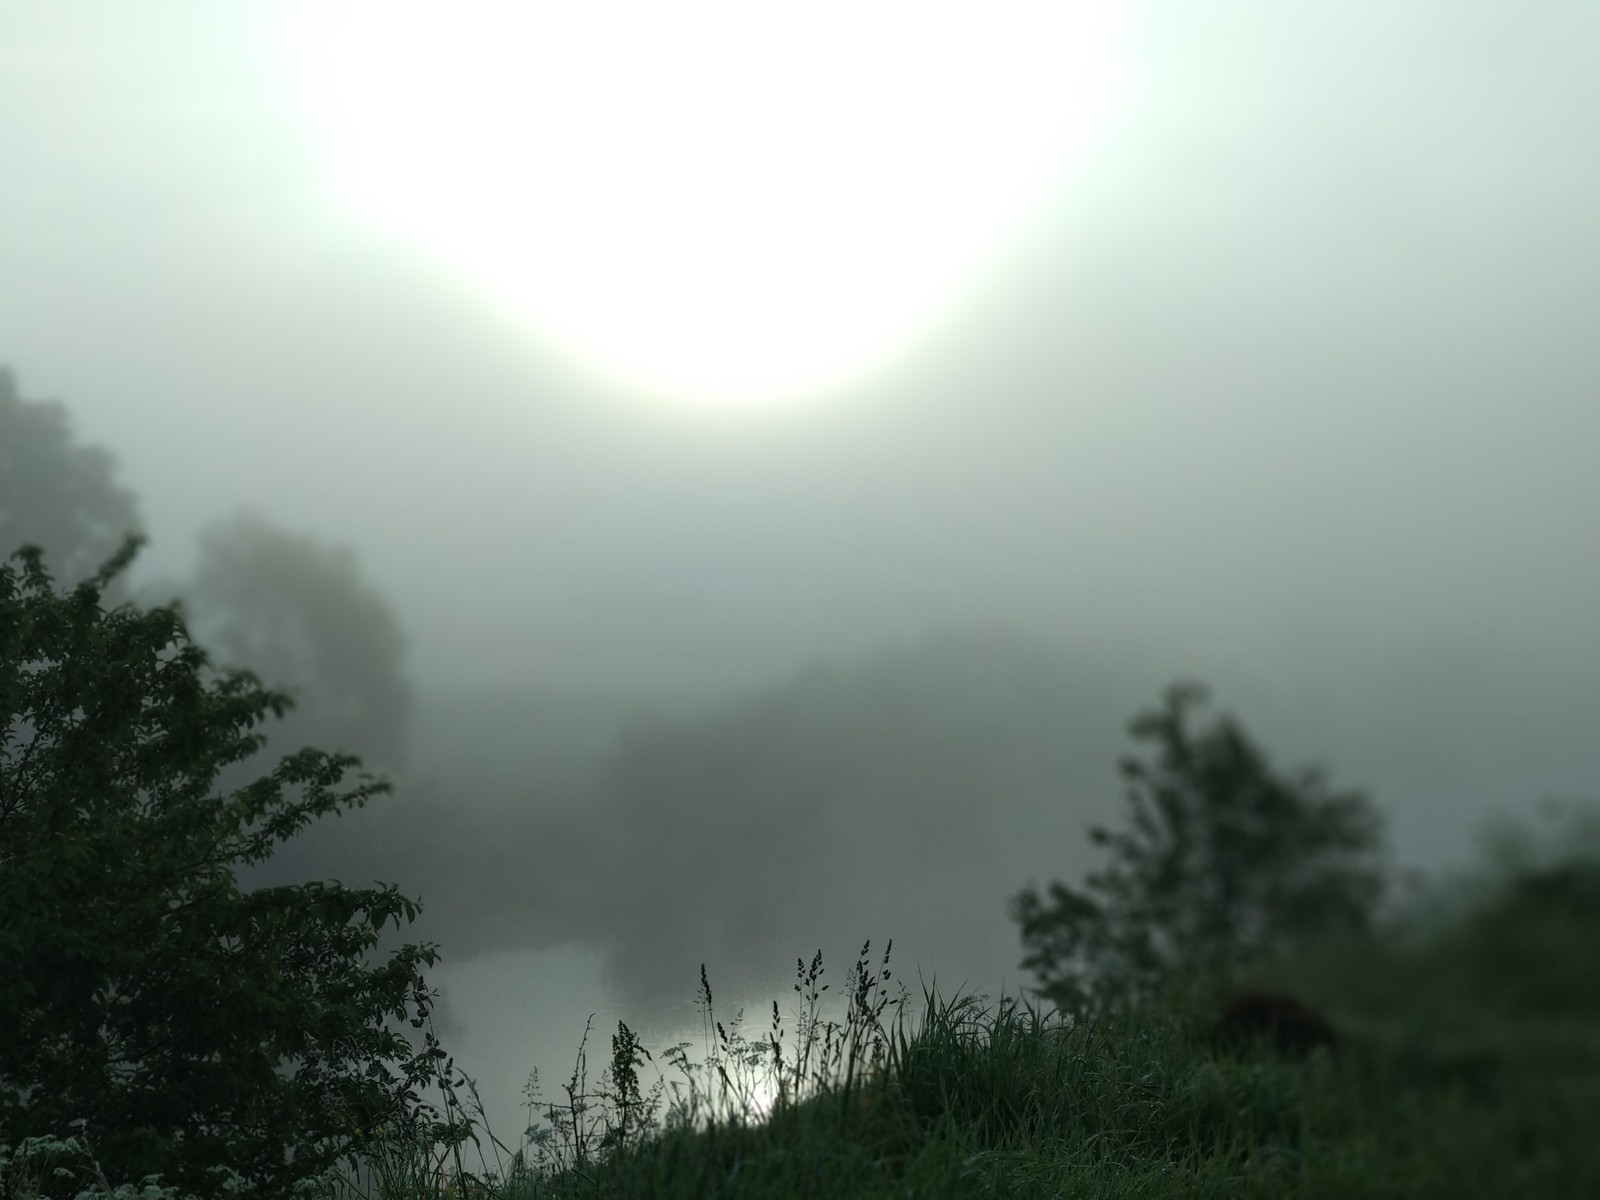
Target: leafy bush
<point>1225,861</point>
<point>174,1023</point>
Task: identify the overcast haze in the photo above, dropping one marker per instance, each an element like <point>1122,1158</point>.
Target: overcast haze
<point>1291,383</point>
<point>1302,345</point>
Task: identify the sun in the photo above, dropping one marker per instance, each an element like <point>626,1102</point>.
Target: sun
<point>730,202</point>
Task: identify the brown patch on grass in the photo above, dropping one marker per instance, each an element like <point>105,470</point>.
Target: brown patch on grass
<point>1289,1025</point>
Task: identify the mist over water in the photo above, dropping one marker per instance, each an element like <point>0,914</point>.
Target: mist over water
<point>902,795</point>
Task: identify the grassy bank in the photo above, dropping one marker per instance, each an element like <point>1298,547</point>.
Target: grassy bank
<point>1468,1064</point>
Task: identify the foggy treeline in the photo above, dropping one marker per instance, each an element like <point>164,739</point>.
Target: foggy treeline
<point>899,793</point>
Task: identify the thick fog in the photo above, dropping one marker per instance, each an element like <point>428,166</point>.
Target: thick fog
<point>1288,384</point>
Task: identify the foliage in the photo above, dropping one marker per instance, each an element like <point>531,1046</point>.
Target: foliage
<point>266,599</point>
<point>987,1101</point>
<point>741,1083</point>
<point>1224,862</point>
<point>262,598</point>
<point>172,1021</point>
<point>1501,947</point>
<point>55,493</point>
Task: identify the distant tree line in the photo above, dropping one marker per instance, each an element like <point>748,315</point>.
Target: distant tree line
<point>283,604</point>
<point>185,1024</point>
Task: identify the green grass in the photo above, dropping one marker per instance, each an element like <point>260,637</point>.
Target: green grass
<point>1469,1066</point>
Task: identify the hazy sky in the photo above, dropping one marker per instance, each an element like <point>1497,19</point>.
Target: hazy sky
<point>1298,348</point>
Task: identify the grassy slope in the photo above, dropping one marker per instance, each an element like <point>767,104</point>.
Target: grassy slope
<point>1470,1066</point>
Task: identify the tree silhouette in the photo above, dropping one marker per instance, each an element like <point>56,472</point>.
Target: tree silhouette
<point>57,493</point>
<point>1224,862</point>
<point>176,1021</point>
<point>300,614</point>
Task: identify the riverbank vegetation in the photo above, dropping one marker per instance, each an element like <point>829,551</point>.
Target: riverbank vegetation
<point>1468,1065</point>
<point>170,1034</point>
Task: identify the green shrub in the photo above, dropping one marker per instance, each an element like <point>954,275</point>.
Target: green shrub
<point>175,1024</point>
<point>1225,861</point>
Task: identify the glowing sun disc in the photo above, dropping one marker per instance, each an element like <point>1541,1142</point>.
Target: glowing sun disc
<point>721,199</point>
